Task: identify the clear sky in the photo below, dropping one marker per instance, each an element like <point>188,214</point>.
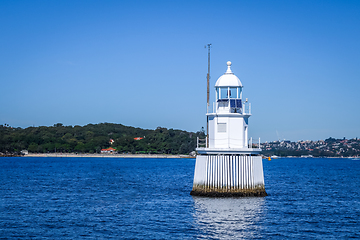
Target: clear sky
<point>143,63</point>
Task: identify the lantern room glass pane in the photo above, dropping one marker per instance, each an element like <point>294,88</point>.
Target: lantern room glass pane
<point>224,93</point>
<point>238,92</point>
<point>233,92</point>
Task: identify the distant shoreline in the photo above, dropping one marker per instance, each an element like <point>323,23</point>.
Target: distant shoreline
<point>97,155</point>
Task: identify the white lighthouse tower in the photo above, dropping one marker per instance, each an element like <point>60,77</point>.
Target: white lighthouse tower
<point>227,164</point>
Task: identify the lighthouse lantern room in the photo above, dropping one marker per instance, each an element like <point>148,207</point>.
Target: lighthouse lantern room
<point>228,164</point>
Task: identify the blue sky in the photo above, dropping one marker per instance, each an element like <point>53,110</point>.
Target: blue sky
<point>143,63</point>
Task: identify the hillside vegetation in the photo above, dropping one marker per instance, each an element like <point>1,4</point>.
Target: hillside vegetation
<point>94,137</point>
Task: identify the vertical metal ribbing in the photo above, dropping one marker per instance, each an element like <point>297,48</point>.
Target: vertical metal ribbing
<point>227,173</point>
<point>252,172</point>
<point>219,171</point>
<point>230,172</point>
<point>211,173</point>
<point>246,172</point>
<point>216,172</point>
<point>240,175</point>
<point>206,171</point>
<point>242,172</point>
<point>219,164</point>
<point>222,171</point>
<point>238,171</point>
<point>233,171</point>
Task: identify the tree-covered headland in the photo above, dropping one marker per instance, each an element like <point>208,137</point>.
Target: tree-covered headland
<point>94,137</point>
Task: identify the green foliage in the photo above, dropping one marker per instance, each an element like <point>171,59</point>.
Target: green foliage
<point>94,137</point>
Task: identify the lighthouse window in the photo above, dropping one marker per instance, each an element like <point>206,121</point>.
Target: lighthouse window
<point>224,93</point>
<point>238,92</point>
<point>233,92</point>
<point>238,103</point>
<point>221,127</point>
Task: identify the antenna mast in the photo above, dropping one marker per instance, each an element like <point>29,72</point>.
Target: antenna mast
<point>208,79</point>
<point>208,97</point>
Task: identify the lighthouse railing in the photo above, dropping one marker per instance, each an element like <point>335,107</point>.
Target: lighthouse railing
<point>201,142</point>
<point>224,104</point>
<point>246,108</point>
<point>253,144</point>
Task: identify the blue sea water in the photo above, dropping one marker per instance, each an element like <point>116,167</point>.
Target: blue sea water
<point>114,198</point>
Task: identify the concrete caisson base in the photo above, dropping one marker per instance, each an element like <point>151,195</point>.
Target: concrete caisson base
<point>228,176</point>
<point>260,192</point>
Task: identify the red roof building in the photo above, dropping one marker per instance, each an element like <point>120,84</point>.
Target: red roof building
<point>108,150</point>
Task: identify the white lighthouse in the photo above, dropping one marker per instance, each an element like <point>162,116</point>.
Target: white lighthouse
<point>228,164</point>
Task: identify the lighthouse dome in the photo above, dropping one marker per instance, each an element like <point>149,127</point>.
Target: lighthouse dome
<point>228,79</point>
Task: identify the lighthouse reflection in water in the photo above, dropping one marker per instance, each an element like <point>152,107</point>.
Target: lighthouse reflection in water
<point>225,218</point>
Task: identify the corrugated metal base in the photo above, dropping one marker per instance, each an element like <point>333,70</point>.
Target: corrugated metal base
<point>228,176</point>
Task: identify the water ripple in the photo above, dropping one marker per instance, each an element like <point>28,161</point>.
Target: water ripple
<point>89,198</point>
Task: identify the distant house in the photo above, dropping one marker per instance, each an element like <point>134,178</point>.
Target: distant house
<point>108,150</point>
<point>111,141</point>
<point>138,138</point>
<point>24,152</point>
